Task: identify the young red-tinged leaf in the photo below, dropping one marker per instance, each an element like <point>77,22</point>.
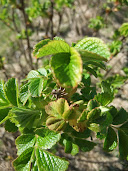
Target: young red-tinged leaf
<point>111,140</point>
<point>67,68</point>
<point>11,91</point>
<point>55,124</point>
<point>51,48</point>
<point>57,108</point>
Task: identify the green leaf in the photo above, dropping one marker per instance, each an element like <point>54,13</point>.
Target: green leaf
<point>35,87</point>
<point>11,90</point>
<point>24,93</point>
<point>24,142</point>
<point>106,88</point>
<point>86,79</point>
<point>42,71</point>
<point>92,104</point>
<point>33,74</point>
<point>3,99</point>
<point>58,38</point>
<point>123,144</point>
<point>97,64</point>
<point>120,117</point>
<point>4,114</point>
<point>83,116</point>
<point>104,98</point>
<point>47,161</point>
<point>111,140</point>
<point>23,162</point>
<point>25,117</point>
<point>89,69</point>
<point>39,45</point>
<point>107,94</point>
<point>102,122</point>
<point>10,127</point>
<point>84,145</point>
<point>44,138</point>
<point>52,47</point>
<point>67,68</point>
<point>92,48</point>
<point>84,134</point>
<point>93,114</point>
<point>47,138</point>
<point>70,146</point>
<point>124,128</point>
<point>94,127</point>
<point>57,108</point>
<point>32,155</point>
<point>124,29</point>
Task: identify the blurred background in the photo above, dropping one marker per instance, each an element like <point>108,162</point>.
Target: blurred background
<point>23,23</point>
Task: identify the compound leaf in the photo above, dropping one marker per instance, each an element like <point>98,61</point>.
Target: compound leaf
<point>47,161</point>
<point>32,155</point>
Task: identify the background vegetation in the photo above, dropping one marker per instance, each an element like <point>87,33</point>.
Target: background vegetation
<point>24,23</point>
